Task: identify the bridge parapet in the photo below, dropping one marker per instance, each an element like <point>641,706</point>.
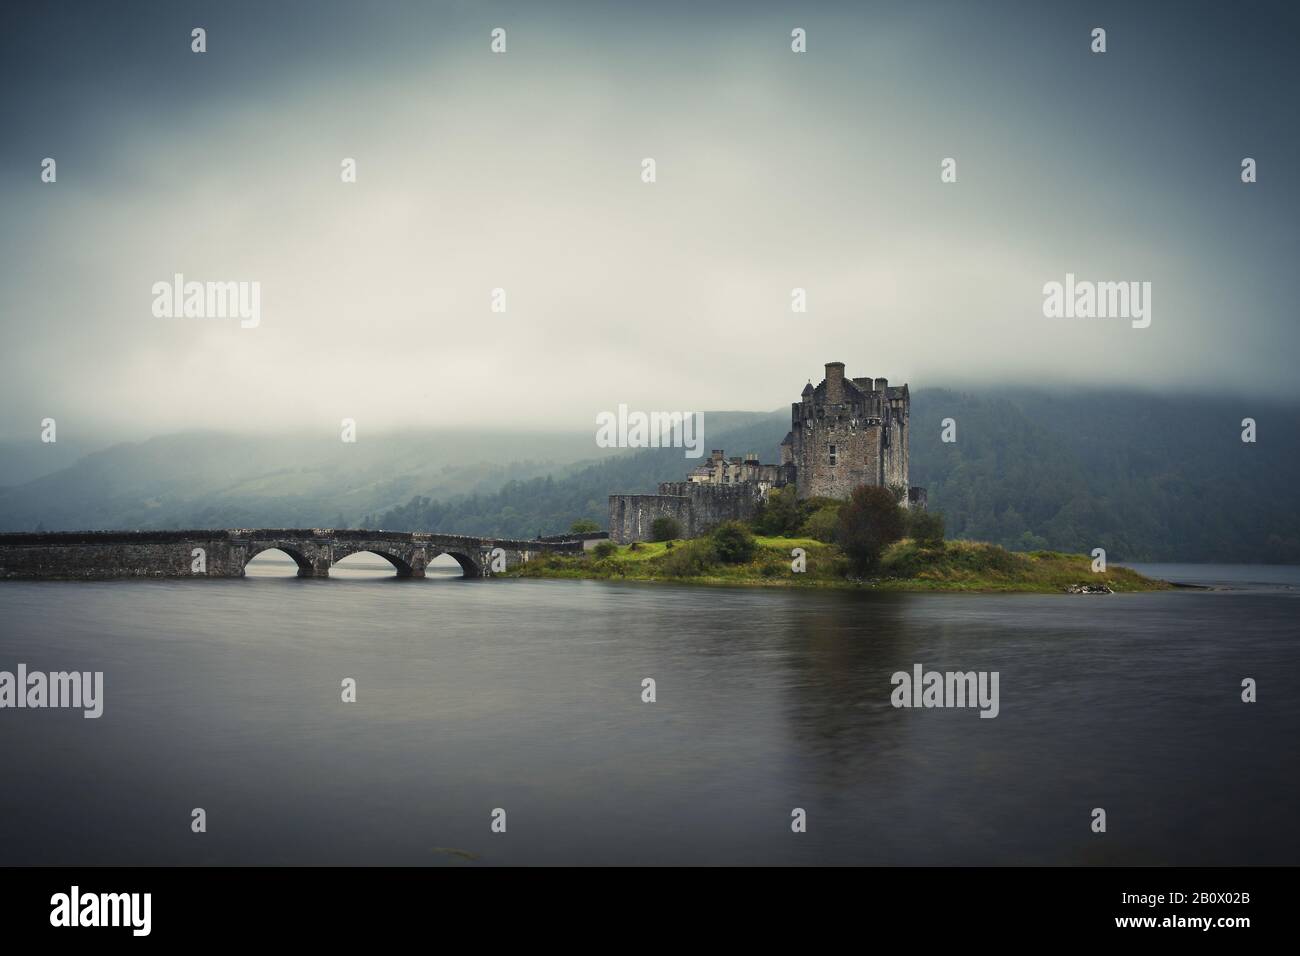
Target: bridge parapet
<point>226,552</point>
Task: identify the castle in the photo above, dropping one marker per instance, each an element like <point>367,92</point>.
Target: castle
<point>843,433</point>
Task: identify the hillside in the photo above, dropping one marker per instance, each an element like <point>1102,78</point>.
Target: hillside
<point>216,479</point>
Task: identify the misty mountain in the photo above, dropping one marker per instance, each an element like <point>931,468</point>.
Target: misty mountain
<point>215,479</point>
<point>23,461</point>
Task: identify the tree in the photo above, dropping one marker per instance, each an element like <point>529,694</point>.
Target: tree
<point>869,522</point>
<point>583,526</point>
<point>733,542</point>
<point>780,515</point>
<point>925,527</point>
<point>665,529</point>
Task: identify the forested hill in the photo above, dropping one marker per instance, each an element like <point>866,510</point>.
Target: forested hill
<point>549,505</point>
<point>1146,478</point>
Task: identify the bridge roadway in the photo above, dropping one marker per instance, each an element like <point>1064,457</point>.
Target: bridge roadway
<point>225,553</point>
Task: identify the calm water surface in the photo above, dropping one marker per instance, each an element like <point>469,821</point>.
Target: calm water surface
<point>525,695</point>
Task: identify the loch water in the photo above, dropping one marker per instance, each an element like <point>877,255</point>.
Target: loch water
<point>526,695</point>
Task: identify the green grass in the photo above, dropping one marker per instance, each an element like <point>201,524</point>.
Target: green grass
<point>977,566</point>
<point>905,566</point>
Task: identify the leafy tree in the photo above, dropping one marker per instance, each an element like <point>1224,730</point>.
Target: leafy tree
<point>583,526</point>
<point>868,523</point>
<point>665,529</point>
<point>734,542</point>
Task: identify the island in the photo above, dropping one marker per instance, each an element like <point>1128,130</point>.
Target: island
<point>905,565</point>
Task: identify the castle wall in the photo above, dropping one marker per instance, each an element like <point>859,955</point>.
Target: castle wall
<point>698,508</point>
<point>710,505</point>
<point>632,516</point>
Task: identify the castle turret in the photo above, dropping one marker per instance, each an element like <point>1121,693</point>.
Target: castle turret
<point>835,382</point>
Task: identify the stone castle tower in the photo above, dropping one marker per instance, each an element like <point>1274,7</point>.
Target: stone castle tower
<point>848,432</point>
<point>845,433</point>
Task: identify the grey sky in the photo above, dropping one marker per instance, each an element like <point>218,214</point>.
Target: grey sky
<point>521,171</point>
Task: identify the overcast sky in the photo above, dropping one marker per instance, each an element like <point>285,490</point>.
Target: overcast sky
<point>522,171</point>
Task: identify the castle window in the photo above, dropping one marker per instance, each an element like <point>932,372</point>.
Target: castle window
<point>832,454</point>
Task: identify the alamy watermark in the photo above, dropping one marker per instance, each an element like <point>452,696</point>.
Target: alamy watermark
<point>627,429</point>
<point>75,909</point>
<point>208,300</point>
<point>37,689</point>
<point>948,689</point>
<point>1084,299</point>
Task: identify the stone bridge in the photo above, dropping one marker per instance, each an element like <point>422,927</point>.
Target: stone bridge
<point>225,554</point>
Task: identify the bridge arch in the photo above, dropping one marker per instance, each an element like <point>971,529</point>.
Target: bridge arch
<point>304,564</point>
<point>468,563</point>
<point>403,566</point>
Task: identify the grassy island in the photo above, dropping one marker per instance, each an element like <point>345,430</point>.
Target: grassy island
<point>905,565</point>
<point>869,541</point>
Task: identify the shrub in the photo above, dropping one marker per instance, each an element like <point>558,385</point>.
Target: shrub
<point>634,546</point>
<point>925,527</point>
<point>583,526</point>
<point>691,559</point>
<point>733,542</point>
<point>821,525</point>
<point>605,549</point>
<point>665,529</point>
<point>868,522</point>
